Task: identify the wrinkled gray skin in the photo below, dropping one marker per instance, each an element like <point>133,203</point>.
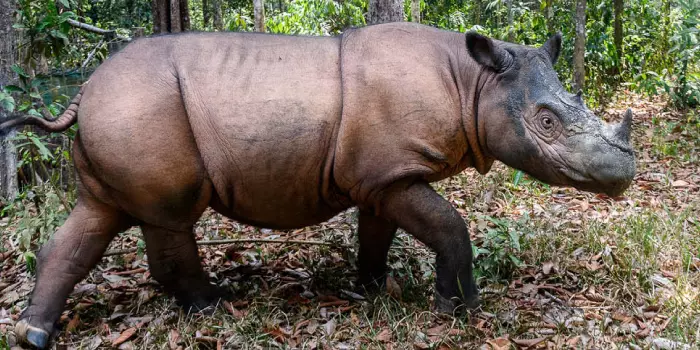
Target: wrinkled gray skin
<point>286,132</point>
<point>546,131</point>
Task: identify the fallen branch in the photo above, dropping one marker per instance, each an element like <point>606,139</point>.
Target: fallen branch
<point>107,33</point>
<point>232,241</point>
<point>273,241</point>
<point>92,53</point>
<point>88,27</point>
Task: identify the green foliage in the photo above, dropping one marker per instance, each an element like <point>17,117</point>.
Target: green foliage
<point>497,257</point>
<point>36,213</point>
<point>662,49</point>
<point>4,343</point>
<point>45,25</point>
<point>318,17</point>
<point>686,92</point>
<point>25,96</point>
<point>119,13</point>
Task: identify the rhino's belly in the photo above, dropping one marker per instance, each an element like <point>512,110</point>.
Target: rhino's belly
<point>276,179</point>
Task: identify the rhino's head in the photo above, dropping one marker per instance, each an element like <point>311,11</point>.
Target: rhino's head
<point>527,120</point>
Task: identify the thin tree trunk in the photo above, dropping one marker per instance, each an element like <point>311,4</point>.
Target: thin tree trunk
<point>415,11</point>
<point>170,16</point>
<point>8,56</point>
<point>384,11</point>
<point>580,45</point>
<point>618,7</point>
<point>206,11</point>
<point>477,12</point>
<point>175,20</point>
<point>509,7</point>
<point>549,15</point>
<point>259,12</point>
<point>184,16</point>
<point>218,22</point>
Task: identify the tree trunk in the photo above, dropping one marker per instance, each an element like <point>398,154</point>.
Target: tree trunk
<point>580,45</point>
<point>218,22</point>
<point>618,6</point>
<point>415,11</point>
<point>205,13</point>
<point>170,16</point>
<point>384,11</point>
<point>259,13</point>
<point>509,7</point>
<point>549,15</point>
<point>8,152</point>
<point>477,12</point>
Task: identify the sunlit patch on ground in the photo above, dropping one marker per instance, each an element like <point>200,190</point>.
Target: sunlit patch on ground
<point>557,269</point>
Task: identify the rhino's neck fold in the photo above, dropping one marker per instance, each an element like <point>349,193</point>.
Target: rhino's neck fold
<point>472,78</point>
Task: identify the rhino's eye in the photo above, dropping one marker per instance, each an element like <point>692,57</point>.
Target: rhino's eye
<point>547,123</point>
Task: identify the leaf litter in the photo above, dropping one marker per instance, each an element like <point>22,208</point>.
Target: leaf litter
<point>570,270</point>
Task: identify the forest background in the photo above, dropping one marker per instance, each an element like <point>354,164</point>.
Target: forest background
<point>641,54</point>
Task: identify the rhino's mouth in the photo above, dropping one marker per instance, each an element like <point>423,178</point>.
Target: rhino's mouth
<point>575,177</point>
<point>585,182</point>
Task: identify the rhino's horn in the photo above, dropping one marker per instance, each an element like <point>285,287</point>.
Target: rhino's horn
<point>622,130</point>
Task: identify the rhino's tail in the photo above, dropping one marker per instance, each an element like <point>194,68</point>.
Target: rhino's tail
<point>61,123</point>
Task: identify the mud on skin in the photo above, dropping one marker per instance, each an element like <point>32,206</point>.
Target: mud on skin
<point>285,132</point>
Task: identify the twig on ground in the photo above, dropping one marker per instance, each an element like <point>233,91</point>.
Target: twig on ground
<point>232,241</point>
<point>243,240</point>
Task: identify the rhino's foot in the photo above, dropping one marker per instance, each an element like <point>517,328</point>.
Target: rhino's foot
<point>204,300</point>
<point>34,336</point>
<point>455,305</point>
<point>371,286</point>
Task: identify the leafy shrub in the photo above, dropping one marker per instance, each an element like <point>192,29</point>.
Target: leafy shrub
<point>497,256</point>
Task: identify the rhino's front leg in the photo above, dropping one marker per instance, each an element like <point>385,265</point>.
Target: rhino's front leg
<point>423,213</point>
<point>376,234</point>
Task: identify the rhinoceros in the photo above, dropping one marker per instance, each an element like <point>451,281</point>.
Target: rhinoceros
<point>287,131</point>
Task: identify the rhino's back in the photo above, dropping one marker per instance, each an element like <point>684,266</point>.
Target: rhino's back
<point>261,110</point>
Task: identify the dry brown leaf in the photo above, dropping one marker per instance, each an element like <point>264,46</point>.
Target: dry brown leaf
<point>237,314</point>
<point>393,288</point>
<point>384,336</point>
<point>528,342</point>
<point>312,327</point>
<point>680,183</point>
<point>643,333</point>
<point>277,334</point>
<point>124,336</point>
<point>547,267</point>
<point>624,318</point>
<point>454,332</point>
<point>437,330</point>
<point>419,345</point>
<point>173,339</point>
<point>73,324</point>
<point>501,343</point>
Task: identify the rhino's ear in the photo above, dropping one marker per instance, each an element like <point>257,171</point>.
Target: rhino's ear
<point>553,47</point>
<point>485,52</point>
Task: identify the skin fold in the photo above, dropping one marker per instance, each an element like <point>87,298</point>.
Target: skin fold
<point>285,132</point>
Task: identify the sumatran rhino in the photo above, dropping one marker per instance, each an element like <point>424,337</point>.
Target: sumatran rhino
<point>284,132</point>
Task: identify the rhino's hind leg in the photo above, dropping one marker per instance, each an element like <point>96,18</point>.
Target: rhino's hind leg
<point>65,260</point>
<point>423,213</point>
<point>376,234</point>
<point>174,262</point>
